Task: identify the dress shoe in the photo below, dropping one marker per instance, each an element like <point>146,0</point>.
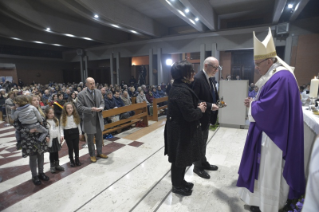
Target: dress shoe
<point>182,191</point>
<point>43,177</point>
<point>201,173</point>
<point>36,180</point>
<point>77,162</point>
<point>254,209</point>
<point>93,159</point>
<point>58,167</point>
<point>207,166</point>
<point>72,164</point>
<point>102,156</point>
<point>188,185</point>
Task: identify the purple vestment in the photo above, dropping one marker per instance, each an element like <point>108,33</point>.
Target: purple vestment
<point>278,113</point>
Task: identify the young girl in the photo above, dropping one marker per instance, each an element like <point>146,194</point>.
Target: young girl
<point>55,140</point>
<point>71,131</point>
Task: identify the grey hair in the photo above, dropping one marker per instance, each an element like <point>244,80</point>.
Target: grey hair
<point>109,92</point>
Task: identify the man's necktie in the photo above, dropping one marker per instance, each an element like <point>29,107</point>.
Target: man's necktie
<point>213,90</point>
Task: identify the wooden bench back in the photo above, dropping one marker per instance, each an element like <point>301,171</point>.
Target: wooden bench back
<point>114,126</point>
<point>156,109</point>
<point>133,100</point>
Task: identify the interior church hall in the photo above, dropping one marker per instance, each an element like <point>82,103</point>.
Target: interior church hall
<point>159,105</point>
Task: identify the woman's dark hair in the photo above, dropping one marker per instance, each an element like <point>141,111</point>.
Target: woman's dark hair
<point>182,69</point>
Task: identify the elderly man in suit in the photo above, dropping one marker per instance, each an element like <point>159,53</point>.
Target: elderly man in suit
<point>206,91</point>
<point>91,103</point>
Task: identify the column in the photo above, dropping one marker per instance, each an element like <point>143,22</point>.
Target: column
<point>202,55</point>
<point>150,67</point>
<point>288,48</point>
<point>159,66</point>
<point>215,53</point>
<point>86,75</point>
<point>117,68</point>
<point>111,68</point>
<point>81,68</point>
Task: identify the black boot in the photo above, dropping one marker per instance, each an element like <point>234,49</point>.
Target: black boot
<point>36,180</point>
<point>72,164</point>
<point>77,161</point>
<point>43,177</point>
<point>58,167</point>
<point>52,167</point>
<point>182,191</point>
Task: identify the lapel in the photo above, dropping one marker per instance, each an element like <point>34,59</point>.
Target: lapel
<point>89,96</point>
<point>208,86</point>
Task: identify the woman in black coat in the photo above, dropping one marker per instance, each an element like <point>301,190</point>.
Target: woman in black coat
<point>182,130</point>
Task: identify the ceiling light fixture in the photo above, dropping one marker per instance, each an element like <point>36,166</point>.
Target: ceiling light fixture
<point>169,2</point>
<point>290,6</point>
<point>133,31</point>
<point>196,19</point>
<point>38,42</point>
<point>16,38</point>
<point>86,38</point>
<point>186,10</point>
<point>48,29</point>
<point>192,21</point>
<point>69,35</point>
<point>96,16</point>
<point>116,26</point>
<point>181,13</point>
<point>56,44</point>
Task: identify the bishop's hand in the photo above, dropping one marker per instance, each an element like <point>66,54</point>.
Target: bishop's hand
<point>247,101</point>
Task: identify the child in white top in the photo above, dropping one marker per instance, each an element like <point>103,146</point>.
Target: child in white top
<point>55,141</point>
<point>71,131</point>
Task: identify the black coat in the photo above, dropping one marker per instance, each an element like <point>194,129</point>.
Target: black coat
<point>202,90</point>
<point>183,137</point>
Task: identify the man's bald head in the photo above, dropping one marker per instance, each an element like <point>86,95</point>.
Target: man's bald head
<point>90,83</point>
<point>211,66</point>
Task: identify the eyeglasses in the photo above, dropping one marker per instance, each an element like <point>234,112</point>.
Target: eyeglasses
<point>215,67</point>
<point>257,64</point>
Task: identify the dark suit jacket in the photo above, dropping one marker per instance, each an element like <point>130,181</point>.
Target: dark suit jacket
<point>203,91</point>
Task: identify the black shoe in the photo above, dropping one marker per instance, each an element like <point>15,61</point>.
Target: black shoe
<point>72,164</point>
<point>188,185</point>
<point>207,166</point>
<point>36,180</point>
<point>182,191</point>
<point>77,162</point>
<point>254,209</point>
<point>201,173</point>
<point>43,177</point>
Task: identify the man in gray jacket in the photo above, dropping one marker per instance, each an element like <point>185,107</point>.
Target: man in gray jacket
<point>91,103</point>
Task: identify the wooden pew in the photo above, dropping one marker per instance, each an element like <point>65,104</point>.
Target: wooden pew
<point>140,115</point>
<point>156,109</point>
<point>133,100</point>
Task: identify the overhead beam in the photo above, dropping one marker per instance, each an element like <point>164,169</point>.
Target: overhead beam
<point>204,11</point>
<point>124,16</point>
<point>178,9</point>
<point>298,8</point>
<point>278,10</point>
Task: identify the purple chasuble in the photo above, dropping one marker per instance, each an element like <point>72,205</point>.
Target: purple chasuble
<point>278,113</point>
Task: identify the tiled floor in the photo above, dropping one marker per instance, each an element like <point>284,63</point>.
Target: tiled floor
<point>135,177</point>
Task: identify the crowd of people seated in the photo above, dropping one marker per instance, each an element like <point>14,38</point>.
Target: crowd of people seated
<point>57,94</point>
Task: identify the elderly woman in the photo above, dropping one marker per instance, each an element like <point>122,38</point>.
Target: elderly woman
<point>182,130</point>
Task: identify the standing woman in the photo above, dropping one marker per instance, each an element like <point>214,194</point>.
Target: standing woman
<point>35,152</point>
<point>182,130</point>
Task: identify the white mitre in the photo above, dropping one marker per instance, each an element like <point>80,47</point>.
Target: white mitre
<point>266,49</point>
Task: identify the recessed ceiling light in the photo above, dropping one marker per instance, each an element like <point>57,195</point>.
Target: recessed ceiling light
<point>290,6</point>
<point>196,19</point>
<point>38,42</point>
<point>186,10</point>
<point>133,31</point>
<point>181,13</point>
<point>48,29</point>
<point>169,62</point>
<point>69,35</point>
<point>116,26</point>
<point>96,16</point>
<point>56,44</point>
<point>192,21</point>
<point>16,38</point>
<point>86,38</point>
